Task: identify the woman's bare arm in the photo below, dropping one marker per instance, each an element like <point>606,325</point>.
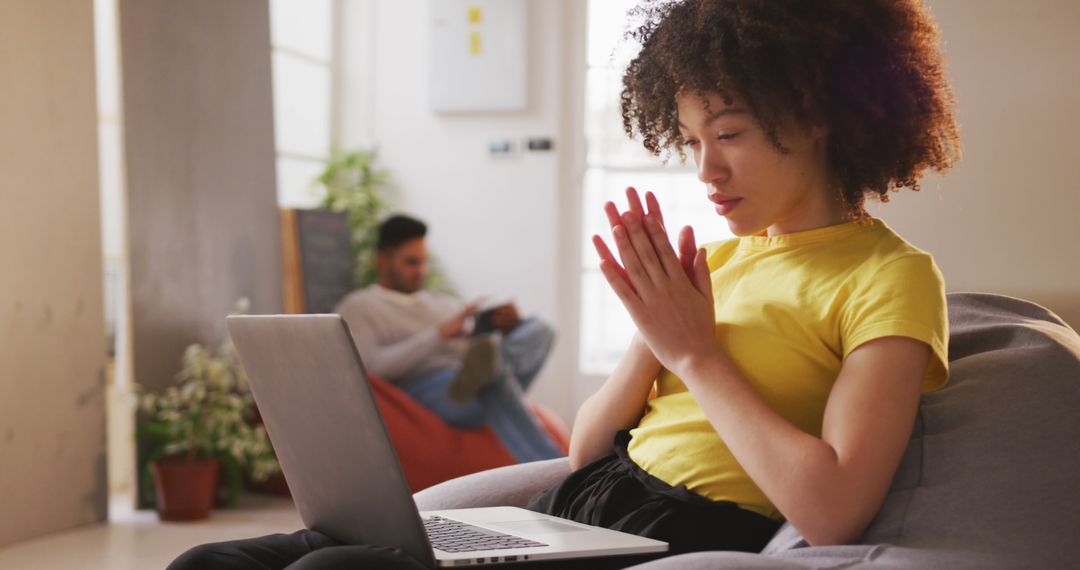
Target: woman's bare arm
<point>830,487</point>
<point>617,405</point>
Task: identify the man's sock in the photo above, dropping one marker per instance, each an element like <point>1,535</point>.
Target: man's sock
<point>477,369</point>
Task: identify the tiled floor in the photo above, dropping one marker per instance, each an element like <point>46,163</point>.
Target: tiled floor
<point>137,540</point>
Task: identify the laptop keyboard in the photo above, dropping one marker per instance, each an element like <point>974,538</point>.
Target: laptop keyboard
<point>449,535</point>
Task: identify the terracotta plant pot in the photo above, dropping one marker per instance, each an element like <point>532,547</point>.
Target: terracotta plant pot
<point>275,485</point>
<point>185,488</point>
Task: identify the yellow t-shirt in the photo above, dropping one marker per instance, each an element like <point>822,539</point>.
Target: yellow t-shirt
<point>789,309</point>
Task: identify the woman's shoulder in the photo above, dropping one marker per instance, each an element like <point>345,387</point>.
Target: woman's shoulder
<point>888,249</point>
<point>893,273</point>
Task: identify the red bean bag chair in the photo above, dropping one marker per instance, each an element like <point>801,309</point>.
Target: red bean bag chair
<point>431,451</point>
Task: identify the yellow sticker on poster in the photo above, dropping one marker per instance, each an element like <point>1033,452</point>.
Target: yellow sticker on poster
<point>476,16</point>
<point>474,43</point>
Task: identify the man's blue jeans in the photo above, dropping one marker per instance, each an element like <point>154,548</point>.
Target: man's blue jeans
<point>500,405</point>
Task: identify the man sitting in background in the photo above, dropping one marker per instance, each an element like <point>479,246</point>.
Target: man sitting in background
<point>420,340</point>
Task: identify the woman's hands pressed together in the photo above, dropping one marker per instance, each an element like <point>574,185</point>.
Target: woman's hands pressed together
<point>668,294</point>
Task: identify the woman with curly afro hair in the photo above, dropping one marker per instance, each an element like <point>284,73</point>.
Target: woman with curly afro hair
<point>774,376</point>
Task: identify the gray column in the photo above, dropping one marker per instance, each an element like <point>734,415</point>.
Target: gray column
<point>202,206</point>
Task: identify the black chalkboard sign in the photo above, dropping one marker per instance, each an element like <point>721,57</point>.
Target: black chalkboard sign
<point>326,258</point>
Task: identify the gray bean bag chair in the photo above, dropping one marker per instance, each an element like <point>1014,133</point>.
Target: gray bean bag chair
<point>991,478</point>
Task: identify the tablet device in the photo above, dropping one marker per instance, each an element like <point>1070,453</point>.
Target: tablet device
<point>484,321</point>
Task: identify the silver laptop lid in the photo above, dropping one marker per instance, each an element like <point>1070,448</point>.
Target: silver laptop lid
<point>311,389</point>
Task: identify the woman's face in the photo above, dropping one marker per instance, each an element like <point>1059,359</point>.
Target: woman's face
<point>755,187</point>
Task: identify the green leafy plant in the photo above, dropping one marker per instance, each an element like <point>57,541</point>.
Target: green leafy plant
<point>207,414</point>
<point>353,184</point>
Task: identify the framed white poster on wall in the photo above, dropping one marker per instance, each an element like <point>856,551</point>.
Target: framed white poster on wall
<point>477,56</point>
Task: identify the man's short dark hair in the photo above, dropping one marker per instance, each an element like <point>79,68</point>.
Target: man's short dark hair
<point>399,229</point>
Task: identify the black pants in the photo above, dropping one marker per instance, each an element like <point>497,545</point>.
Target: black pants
<point>301,550</point>
<point>612,492</point>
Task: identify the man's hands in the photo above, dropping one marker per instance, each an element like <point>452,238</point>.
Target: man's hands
<point>455,327</point>
<point>505,318</point>
<point>668,294</point>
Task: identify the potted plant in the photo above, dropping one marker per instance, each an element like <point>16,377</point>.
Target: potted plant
<point>200,430</point>
<point>353,184</point>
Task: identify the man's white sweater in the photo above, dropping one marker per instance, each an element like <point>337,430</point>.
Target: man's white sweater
<point>397,333</point>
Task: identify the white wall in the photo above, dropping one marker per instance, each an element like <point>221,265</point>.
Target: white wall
<point>493,223</point>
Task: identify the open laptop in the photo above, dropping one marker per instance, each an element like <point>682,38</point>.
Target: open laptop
<point>344,475</point>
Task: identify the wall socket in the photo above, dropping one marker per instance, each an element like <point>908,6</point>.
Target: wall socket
<point>501,148</point>
<point>538,144</point>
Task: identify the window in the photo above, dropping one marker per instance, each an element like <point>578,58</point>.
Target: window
<point>302,33</point>
<point>614,162</point>
<point>111,184</point>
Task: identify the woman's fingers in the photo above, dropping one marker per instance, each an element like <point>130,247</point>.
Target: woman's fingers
<point>654,207</point>
<point>623,290</point>
<point>631,269</point>
<point>634,202</point>
<point>687,250</point>
<point>613,216</point>
<point>701,278</point>
<point>637,275</point>
<point>607,258</point>
<point>634,205</point>
<point>644,252</point>
<point>669,260</point>
<point>643,244</point>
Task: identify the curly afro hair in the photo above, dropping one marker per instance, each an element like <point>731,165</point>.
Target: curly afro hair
<point>869,71</point>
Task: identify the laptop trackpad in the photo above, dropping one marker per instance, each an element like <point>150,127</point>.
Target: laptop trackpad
<point>535,526</point>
